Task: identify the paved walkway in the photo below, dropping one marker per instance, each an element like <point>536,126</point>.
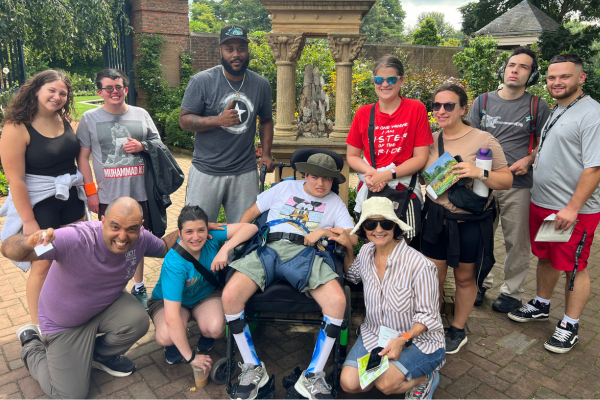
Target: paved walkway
<point>483,369</point>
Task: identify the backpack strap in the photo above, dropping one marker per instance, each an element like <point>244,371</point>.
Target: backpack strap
<point>210,278</point>
<point>482,106</point>
<point>410,189</point>
<point>372,136</point>
<point>441,144</point>
<point>533,113</point>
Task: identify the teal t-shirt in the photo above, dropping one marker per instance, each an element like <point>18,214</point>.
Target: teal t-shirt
<point>179,280</point>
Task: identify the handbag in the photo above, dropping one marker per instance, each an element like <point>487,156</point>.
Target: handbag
<point>459,195</point>
<point>400,198</point>
<point>210,278</point>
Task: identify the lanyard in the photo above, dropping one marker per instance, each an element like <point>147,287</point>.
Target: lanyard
<point>550,123</point>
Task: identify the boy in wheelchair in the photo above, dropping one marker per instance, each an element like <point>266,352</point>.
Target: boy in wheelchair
<point>300,214</point>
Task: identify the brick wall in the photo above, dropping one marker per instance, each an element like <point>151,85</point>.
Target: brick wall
<point>418,57</point>
<point>205,50</point>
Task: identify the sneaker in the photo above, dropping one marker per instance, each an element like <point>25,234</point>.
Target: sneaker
<point>455,339</point>
<point>564,338</point>
<point>173,355</point>
<point>252,378</point>
<point>532,311</point>
<point>28,333</point>
<point>141,295</point>
<point>480,296</point>
<point>116,366</point>
<point>313,386</point>
<point>425,390</point>
<point>205,344</point>
<point>505,304</point>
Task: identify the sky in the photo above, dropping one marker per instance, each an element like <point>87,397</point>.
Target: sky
<point>449,7</point>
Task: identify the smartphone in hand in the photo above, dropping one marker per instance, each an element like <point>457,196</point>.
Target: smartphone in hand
<point>374,359</point>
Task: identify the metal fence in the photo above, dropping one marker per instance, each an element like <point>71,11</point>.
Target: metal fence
<point>12,65</point>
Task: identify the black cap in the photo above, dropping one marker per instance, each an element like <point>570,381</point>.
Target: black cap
<point>233,32</point>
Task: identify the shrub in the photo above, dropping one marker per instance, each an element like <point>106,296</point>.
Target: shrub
<point>3,183</point>
<point>81,83</point>
<point>422,85</point>
<point>176,136</point>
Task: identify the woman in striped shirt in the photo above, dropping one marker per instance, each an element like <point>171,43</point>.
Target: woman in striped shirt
<point>401,297</point>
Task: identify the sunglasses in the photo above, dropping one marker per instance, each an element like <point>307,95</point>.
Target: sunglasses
<point>447,106</point>
<point>371,224</point>
<point>378,80</point>
<point>110,89</point>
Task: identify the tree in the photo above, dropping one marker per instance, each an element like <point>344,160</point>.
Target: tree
<point>203,18</point>
<point>385,22</point>
<point>445,29</point>
<point>62,28</point>
<point>212,15</point>
<point>427,34</point>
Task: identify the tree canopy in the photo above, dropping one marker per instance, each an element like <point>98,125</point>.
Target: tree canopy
<point>427,33</point>
<point>212,15</point>
<point>444,28</point>
<point>385,22</point>
<point>62,28</point>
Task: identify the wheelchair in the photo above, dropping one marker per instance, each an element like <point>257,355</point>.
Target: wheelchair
<point>281,297</point>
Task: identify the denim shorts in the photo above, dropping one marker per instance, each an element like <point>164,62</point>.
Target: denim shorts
<point>413,363</point>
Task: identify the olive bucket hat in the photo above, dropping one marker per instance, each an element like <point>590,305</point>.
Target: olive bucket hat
<point>322,165</point>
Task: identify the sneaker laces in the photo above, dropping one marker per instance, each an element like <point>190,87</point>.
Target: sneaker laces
<point>319,381</point>
<point>141,290</point>
<point>561,334</point>
<point>248,371</point>
<point>528,308</point>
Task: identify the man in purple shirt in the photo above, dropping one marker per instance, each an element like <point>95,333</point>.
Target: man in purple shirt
<point>102,255</point>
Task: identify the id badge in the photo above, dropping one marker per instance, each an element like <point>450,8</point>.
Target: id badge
<point>385,335</point>
<point>535,163</point>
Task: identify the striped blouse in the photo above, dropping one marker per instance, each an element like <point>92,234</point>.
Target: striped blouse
<point>408,293</point>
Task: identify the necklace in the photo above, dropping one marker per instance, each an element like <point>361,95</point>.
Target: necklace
<point>237,92</point>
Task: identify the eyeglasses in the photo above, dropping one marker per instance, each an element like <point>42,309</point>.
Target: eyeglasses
<point>378,80</point>
<point>447,106</point>
<point>110,89</point>
<point>371,224</point>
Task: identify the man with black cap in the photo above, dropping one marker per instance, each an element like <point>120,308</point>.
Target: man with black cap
<point>300,214</point>
<point>221,105</point>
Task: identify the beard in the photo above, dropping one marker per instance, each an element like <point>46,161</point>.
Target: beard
<point>568,92</point>
<point>230,69</point>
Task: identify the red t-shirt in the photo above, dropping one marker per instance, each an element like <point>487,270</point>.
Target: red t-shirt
<point>396,135</point>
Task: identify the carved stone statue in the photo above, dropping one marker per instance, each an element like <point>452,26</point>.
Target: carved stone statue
<point>314,104</point>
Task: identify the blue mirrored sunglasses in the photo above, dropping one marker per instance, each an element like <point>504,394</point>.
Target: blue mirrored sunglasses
<point>391,80</point>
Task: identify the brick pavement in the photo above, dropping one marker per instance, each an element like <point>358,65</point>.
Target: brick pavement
<point>482,370</point>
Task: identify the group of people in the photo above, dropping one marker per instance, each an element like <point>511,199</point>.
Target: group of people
<point>79,269</point>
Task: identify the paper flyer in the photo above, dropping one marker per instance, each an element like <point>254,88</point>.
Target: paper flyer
<point>547,233</point>
<point>439,175</point>
<point>366,378</point>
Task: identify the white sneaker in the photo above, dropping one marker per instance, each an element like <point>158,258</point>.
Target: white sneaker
<point>313,386</point>
<point>252,378</point>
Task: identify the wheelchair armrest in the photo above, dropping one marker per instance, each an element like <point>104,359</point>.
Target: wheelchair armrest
<point>239,249</point>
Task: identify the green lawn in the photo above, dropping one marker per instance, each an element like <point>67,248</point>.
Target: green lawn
<point>86,98</point>
<point>81,108</point>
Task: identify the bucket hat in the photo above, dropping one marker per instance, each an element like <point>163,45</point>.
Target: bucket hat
<point>379,207</point>
<point>322,165</point>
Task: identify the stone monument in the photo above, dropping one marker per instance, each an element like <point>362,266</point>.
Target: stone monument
<point>314,104</point>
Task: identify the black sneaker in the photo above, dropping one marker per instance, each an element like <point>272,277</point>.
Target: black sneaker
<point>141,295</point>
<point>173,355</point>
<point>205,344</point>
<point>116,366</point>
<point>564,338</point>
<point>455,339</point>
<point>532,311</point>
<point>505,304</point>
<point>28,333</point>
<point>480,296</point>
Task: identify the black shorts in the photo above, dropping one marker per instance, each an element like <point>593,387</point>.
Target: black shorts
<point>470,237</point>
<point>145,214</point>
<point>53,213</point>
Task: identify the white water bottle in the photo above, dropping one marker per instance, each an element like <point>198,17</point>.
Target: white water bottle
<point>483,160</point>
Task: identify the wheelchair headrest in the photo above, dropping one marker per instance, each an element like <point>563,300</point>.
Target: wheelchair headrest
<point>302,155</point>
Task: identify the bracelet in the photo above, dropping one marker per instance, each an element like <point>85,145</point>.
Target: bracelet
<point>393,173</point>
<point>191,358</point>
<point>90,189</point>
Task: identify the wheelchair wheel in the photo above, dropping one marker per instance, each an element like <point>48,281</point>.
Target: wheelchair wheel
<point>218,373</point>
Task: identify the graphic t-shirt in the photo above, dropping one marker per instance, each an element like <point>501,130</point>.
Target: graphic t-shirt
<point>86,277</point>
<point>508,121</point>
<point>288,200</point>
<point>117,173</point>
<point>179,280</point>
<point>572,145</point>
<point>227,150</point>
<point>396,135</point>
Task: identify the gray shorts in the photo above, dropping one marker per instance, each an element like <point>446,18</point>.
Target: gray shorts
<point>252,267</point>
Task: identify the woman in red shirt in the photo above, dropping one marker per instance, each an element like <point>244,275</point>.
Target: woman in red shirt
<point>402,137</point>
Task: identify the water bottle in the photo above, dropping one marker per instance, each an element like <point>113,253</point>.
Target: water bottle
<point>483,160</point>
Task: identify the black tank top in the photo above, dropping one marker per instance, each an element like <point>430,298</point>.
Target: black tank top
<point>51,156</point>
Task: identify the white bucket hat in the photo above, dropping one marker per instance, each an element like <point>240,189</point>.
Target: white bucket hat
<point>379,207</point>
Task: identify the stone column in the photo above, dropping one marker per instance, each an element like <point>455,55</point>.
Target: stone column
<point>286,50</point>
<point>344,49</point>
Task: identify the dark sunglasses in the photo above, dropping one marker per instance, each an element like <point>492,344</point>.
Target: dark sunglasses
<point>447,106</point>
<point>110,89</point>
<point>371,224</point>
<point>378,80</point>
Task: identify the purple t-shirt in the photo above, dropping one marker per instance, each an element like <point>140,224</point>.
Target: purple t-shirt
<point>86,277</point>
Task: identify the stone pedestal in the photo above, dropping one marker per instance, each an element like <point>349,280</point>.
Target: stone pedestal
<point>344,49</point>
<point>283,149</point>
<point>286,50</point>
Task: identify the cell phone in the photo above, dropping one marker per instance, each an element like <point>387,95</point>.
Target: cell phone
<point>462,181</point>
<point>374,359</point>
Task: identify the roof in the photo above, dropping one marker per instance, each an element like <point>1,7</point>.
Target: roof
<point>522,18</point>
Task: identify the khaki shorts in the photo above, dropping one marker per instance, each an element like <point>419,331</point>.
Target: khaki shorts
<point>252,267</point>
<point>155,305</point>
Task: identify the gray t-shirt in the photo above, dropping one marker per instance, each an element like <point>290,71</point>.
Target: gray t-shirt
<point>227,150</point>
<point>117,173</point>
<point>571,146</point>
<point>508,121</point>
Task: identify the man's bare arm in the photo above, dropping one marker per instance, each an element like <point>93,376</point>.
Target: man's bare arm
<point>169,241</point>
<point>21,247</point>
<point>195,123</point>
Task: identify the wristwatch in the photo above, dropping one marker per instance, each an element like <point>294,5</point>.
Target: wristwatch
<point>191,358</point>
<point>393,173</point>
<point>486,174</point>
<point>408,339</point>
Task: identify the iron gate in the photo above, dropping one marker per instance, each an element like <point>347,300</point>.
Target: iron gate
<point>12,66</point>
